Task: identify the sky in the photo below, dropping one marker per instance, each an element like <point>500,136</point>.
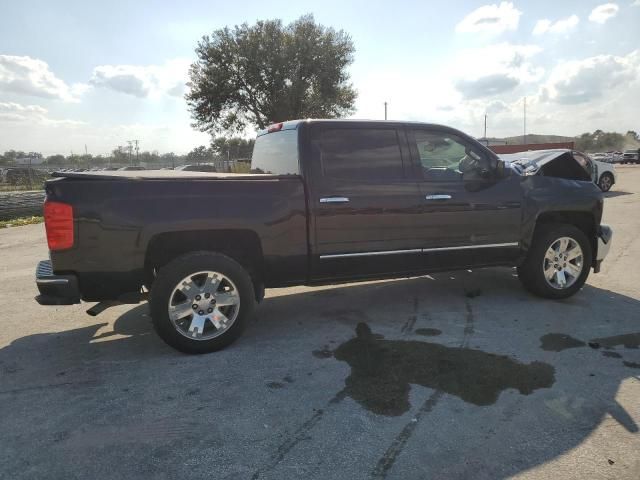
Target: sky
<point>96,74</point>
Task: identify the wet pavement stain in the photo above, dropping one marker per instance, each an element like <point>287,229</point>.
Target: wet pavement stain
<point>556,342</point>
<point>611,354</point>
<point>428,332</point>
<point>628,340</point>
<point>382,372</point>
<point>275,385</point>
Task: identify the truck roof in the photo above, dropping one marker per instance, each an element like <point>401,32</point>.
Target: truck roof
<point>294,124</point>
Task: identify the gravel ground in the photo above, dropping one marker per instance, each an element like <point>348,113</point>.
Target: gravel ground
<point>460,375</point>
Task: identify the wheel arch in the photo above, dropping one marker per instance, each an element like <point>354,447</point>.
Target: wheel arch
<point>584,221</point>
<point>242,245</point>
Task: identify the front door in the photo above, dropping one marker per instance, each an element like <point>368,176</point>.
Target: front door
<point>470,216</point>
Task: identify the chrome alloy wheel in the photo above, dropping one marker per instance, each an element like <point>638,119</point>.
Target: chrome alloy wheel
<point>563,263</point>
<point>204,305</point>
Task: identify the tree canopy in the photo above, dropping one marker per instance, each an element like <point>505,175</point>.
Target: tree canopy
<point>255,75</point>
<point>600,141</point>
<point>233,148</point>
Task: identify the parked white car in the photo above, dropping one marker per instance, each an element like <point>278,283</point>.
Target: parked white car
<point>606,174</point>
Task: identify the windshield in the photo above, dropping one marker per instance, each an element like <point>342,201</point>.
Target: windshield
<point>276,153</point>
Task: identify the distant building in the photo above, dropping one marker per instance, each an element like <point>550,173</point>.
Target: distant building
<point>29,161</point>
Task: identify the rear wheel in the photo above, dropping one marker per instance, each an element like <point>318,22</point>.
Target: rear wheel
<point>558,263</point>
<point>606,182</point>
<point>200,302</point>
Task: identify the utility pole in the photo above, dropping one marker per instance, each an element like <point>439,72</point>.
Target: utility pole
<point>385,110</point>
<point>137,149</point>
<point>524,132</point>
<point>130,148</point>
<point>485,129</point>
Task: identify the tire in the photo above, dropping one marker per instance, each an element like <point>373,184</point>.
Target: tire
<point>210,327</point>
<point>532,272</point>
<point>606,182</point>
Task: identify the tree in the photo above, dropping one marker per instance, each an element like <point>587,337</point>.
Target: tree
<point>600,141</point>
<point>56,160</point>
<point>268,72</point>
<point>199,155</point>
<point>232,148</point>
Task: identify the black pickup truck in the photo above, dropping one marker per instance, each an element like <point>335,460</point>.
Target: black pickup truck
<point>327,201</point>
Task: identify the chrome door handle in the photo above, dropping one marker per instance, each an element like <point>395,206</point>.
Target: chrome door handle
<point>438,197</point>
<point>334,200</point>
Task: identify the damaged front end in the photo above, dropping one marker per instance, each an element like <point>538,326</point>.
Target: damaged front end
<point>558,187</point>
<point>565,164</point>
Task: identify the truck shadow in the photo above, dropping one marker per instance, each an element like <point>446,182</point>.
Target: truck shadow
<point>468,347</point>
<point>616,193</point>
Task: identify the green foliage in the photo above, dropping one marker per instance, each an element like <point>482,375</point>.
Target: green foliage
<point>254,75</point>
<point>56,160</point>
<point>199,155</point>
<point>241,167</point>
<point>18,222</point>
<point>600,141</point>
<point>232,148</point>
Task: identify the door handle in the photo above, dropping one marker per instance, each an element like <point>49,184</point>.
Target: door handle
<point>438,196</point>
<point>334,200</point>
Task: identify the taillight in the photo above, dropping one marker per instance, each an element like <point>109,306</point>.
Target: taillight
<point>276,127</point>
<point>58,221</point>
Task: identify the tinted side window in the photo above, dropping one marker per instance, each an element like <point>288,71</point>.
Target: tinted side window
<point>444,156</point>
<point>359,153</point>
<point>276,153</point>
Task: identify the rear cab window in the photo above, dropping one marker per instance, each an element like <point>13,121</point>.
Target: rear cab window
<point>276,153</point>
<point>358,154</point>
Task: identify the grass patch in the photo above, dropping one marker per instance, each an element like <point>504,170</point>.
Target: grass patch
<point>18,222</point>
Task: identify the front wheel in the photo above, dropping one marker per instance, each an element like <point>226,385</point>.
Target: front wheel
<point>200,302</point>
<point>558,263</point>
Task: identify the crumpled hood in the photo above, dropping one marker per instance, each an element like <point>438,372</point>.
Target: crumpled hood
<point>530,163</point>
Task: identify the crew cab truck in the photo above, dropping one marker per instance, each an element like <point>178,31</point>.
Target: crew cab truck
<point>328,201</point>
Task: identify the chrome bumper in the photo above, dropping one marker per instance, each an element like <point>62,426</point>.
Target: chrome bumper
<point>55,289</point>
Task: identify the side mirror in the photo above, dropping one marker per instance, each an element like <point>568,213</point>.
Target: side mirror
<point>502,169</point>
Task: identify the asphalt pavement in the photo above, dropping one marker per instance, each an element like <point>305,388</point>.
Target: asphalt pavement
<point>457,375</point>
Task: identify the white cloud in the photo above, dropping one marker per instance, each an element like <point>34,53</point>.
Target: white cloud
<point>11,112</point>
<point>30,76</point>
<point>30,128</point>
<point>493,70</point>
<point>604,12</point>
<point>636,3</point>
<point>492,19</point>
<point>496,107</point>
<point>561,26</point>
<point>143,80</point>
<point>582,81</point>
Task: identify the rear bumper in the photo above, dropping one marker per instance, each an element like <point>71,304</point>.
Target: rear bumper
<point>605,237</point>
<point>55,289</point>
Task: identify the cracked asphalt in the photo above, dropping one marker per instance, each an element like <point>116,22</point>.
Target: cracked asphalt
<point>457,375</point>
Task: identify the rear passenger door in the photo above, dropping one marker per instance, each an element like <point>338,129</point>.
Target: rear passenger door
<point>364,201</point>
